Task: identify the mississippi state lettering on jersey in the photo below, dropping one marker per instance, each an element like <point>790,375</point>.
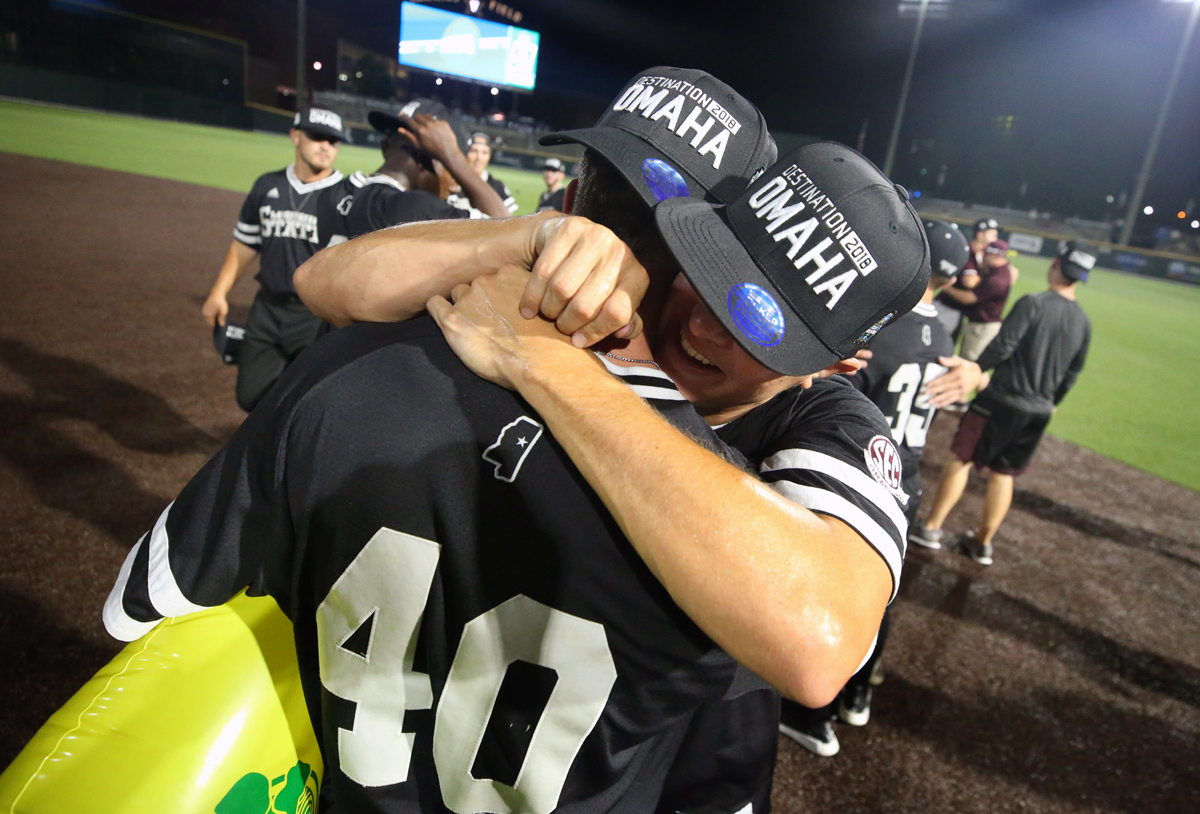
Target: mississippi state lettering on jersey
<point>473,632</point>
<point>360,204</point>
<point>281,218</point>
<point>904,359</point>
<point>460,200</point>
<point>829,449</point>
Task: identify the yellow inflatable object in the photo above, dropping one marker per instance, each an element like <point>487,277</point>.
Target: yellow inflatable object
<point>203,714</point>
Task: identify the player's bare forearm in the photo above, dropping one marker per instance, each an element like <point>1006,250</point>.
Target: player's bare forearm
<point>237,259</point>
<point>389,275</point>
<point>958,295</point>
<point>794,596</point>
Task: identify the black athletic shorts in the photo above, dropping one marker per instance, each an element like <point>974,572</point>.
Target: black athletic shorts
<point>993,436</point>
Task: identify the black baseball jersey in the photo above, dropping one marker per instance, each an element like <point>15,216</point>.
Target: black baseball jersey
<point>826,448</point>
<point>460,200</point>
<point>282,219</point>
<point>555,200</point>
<point>905,359</point>
<point>473,632</point>
<point>368,203</point>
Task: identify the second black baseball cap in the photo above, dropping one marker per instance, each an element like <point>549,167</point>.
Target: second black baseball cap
<point>678,132</point>
<point>1075,260</point>
<point>948,247</point>
<point>809,263</point>
<point>387,123</point>
<point>319,122</point>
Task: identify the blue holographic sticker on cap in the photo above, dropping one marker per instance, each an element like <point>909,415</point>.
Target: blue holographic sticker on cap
<point>664,180</point>
<point>757,314</point>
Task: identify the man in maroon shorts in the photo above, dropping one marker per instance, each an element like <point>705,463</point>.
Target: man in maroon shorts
<point>1037,356</point>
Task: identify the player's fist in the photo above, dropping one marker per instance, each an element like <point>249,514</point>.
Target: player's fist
<point>586,279</point>
<point>215,309</point>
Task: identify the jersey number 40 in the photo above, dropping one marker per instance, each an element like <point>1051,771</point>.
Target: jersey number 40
<point>388,585</point>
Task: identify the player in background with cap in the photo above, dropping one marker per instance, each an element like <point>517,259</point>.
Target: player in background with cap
<point>417,147</point>
<point>983,305</point>
<point>907,363</point>
<point>280,222</point>
<point>1037,356</point>
<point>949,309</point>
<point>480,155</point>
<point>555,174</point>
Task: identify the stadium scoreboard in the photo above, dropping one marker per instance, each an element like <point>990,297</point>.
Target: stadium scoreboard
<point>467,47</point>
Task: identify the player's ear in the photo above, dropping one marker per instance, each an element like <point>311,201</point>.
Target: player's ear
<point>569,196</point>
<point>844,367</point>
<point>294,134</point>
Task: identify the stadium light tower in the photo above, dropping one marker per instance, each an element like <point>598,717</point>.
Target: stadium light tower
<point>300,66</point>
<point>906,8</point>
<point>1135,202</point>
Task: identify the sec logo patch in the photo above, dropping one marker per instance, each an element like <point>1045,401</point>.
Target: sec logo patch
<point>883,462</point>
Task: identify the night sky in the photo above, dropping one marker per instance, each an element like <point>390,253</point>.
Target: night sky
<point>1028,103</point>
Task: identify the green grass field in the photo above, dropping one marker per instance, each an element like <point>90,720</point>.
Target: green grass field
<point>1135,401</point>
<point>213,156</point>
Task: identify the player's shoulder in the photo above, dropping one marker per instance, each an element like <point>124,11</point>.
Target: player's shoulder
<point>270,179</point>
<point>831,415</point>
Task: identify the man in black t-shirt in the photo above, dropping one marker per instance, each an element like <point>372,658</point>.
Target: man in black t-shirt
<point>281,223</point>
<point>1037,357</point>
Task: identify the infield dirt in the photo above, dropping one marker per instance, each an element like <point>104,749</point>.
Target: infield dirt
<point>1064,678</point>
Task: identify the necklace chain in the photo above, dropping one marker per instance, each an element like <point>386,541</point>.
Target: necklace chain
<point>631,361</point>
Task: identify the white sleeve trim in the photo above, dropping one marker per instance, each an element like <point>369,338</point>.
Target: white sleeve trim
<point>249,240</point>
<point>855,479</point>
<point>165,595</point>
<point>511,205</point>
<point>649,391</point>
<point>249,228</point>
<point>826,502</point>
<point>117,622</point>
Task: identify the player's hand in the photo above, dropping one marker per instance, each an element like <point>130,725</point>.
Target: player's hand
<point>215,309</point>
<point>956,384</point>
<point>486,330</point>
<point>585,279</point>
<point>434,136</point>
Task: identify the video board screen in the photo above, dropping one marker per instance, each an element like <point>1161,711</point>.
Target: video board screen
<point>459,45</point>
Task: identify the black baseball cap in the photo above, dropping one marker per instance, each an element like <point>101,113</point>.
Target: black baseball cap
<point>678,132</point>
<point>319,122</point>
<point>227,339</point>
<point>985,224</point>
<point>387,123</point>
<point>948,247</point>
<point>1075,260</point>
<point>807,264</point>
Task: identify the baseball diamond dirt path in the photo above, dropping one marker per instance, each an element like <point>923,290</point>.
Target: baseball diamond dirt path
<point>1065,678</point>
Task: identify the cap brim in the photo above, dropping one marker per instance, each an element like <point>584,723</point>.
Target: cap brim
<point>383,122</point>
<point>718,267</point>
<point>318,130</point>
<point>628,153</point>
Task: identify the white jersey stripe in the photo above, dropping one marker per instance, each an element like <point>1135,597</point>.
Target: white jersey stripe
<point>822,500</point>
<point>164,591</point>
<point>855,479</point>
<point>639,370</point>
<point>311,186</point>
<point>117,622</point>
<point>249,240</point>
<point>658,393</point>
<point>248,228</point>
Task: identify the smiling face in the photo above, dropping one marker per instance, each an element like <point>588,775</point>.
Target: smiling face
<point>479,155</point>
<point>710,368</point>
